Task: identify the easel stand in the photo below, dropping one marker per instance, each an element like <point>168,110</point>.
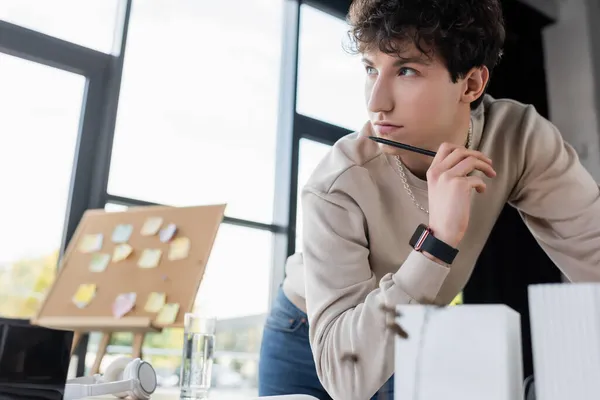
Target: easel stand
<point>138,326</point>
<point>175,274</point>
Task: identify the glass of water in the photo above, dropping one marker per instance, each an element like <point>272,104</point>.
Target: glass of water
<point>198,356</point>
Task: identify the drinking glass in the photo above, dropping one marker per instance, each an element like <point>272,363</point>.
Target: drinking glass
<point>198,356</point>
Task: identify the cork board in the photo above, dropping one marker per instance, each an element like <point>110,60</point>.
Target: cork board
<point>178,279</point>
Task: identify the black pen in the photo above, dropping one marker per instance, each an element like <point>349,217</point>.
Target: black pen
<point>403,146</point>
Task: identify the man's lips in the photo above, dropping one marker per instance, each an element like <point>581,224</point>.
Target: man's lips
<point>386,128</point>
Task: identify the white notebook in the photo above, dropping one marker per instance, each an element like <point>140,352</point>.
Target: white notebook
<point>466,352</point>
<point>565,333</point>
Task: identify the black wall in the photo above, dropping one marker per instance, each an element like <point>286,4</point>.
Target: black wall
<point>512,259</point>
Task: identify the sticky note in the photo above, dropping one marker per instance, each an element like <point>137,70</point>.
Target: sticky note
<point>123,304</point>
<point>122,233</point>
<point>179,249</point>
<point>151,226</point>
<point>168,314</point>
<point>150,258</point>
<point>121,252</point>
<point>84,295</point>
<point>99,262</point>
<point>167,233</point>
<point>155,302</point>
<point>90,243</point>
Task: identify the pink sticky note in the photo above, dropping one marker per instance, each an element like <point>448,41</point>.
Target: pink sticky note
<point>167,233</point>
<point>123,304</point>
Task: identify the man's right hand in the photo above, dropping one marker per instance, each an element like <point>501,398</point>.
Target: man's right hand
<point>450,188</point>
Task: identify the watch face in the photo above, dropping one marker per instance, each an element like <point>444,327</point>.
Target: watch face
<point>421,240</point>
<point>417,235</point>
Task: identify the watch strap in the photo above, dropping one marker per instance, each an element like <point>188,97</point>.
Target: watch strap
<point>424,240</point>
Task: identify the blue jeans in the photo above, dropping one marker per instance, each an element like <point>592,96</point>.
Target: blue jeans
<point>286,364</point>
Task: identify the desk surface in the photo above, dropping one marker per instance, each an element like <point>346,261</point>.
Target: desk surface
<point>172,394</point>
<point>156,396</point>
<point>213,396</point>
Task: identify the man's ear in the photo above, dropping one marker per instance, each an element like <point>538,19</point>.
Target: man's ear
<point>475,82</point>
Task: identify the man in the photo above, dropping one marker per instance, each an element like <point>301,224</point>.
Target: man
<point>427,65</point>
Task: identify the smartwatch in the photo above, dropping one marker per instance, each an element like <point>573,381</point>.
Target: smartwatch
<point>423,240</point>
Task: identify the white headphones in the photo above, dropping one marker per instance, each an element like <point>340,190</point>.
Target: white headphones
<point>123,377</point>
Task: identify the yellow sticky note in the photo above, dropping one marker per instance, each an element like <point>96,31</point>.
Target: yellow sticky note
<point>168,314</point>
<point>180,248</point>
<point>150,258</point>
<point>84,295</point>
<point>155,302</point>
<point>151,226</point>
<point>121,252</point>
<point>90,243</point>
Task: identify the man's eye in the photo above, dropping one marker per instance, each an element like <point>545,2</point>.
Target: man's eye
<point>370,70</point>
<point>405,71</point>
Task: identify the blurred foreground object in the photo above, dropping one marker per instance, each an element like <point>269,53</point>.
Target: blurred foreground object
<point>467,352</point>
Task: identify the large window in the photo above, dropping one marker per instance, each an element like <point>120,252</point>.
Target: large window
<point>198,106</point>
<point>41,109</point>
<point>330,80</point>
<point>90,23</point>
<point>197,124</point>
<point>236,281</point>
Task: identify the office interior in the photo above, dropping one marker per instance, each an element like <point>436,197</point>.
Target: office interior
<point>109,104</point>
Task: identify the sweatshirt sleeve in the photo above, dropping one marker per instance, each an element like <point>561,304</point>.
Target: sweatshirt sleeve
<point>343,296</point>
<point>558,199</point>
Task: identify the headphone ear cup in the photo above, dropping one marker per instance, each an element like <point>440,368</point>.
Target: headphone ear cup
<point>130,371</point>
<point>116,371</point>
<point>145,376</point>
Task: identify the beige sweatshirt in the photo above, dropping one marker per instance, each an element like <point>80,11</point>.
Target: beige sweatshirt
<point>358,219</point>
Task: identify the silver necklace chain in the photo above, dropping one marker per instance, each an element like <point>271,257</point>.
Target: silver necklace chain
<point>405,179</point>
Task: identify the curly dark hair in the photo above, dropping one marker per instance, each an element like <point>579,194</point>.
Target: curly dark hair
<point>465,33</point>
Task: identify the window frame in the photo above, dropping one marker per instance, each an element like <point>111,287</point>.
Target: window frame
<point>94,139</point>
<point>292,127</point>
<point>103,73</point>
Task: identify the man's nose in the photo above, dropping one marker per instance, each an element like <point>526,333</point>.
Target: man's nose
<point>381,97</point>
